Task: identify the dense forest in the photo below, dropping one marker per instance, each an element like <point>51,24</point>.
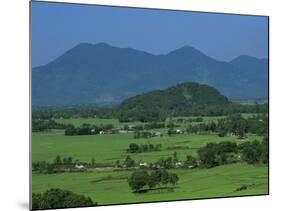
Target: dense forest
<point>186,99</point>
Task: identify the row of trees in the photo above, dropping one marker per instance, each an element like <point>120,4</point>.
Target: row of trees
<point>166,163</point>
<point>149,114</point>
<point>252,152</point>
<point>77,111</point>
<point>135,148</point>
<point>169,162</point>
<point>148,126</point>
<point>184,121</point>
<point>63,164</point>
<point>45,125</point>
<point>86,129</point>
<point>236,124</point>
<point>57,198</point>
<point>233,124</point>
<point>144,134</point>
<point>160,177</point>
<point>53,167</point>
<point>214,154</point>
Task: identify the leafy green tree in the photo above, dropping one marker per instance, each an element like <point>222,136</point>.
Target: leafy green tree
<point>57,160</point>
<point>133,148</point>
<point>255,151</point>
<point>214,154</point>
<point>93,162</point>
<point>173,179</point>
<point>190,161</point>
<point>153,180</point>
<point>129,162</point>
<point>57,198</point>
<point>138,180</point>
<point>117,163</point>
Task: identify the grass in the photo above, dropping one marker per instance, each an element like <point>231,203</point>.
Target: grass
<point>112,187</point>
<point>108,148</point>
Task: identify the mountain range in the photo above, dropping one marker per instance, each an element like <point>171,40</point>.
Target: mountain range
<point>102,74</point>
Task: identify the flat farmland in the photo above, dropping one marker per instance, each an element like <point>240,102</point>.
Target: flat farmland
<point>112,187</point>
<point>108,148</point>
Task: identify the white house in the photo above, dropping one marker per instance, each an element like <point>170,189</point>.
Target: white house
<point>178,131</point>
<point>178,164</point>
<point>144,164</point>
<point>79,166</point>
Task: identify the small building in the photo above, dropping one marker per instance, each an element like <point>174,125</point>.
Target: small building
<point>178,131</point>
<point>158,133</point>
<point>144,164</point>
<point>179,164</point>
<point>78,166</point>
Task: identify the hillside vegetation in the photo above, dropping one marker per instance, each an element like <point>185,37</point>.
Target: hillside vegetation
<point>184,99</point>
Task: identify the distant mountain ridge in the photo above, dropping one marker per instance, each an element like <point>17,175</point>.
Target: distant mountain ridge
<point>103,74</point>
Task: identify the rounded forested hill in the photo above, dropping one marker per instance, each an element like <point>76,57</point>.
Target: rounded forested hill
<point>183,99</point>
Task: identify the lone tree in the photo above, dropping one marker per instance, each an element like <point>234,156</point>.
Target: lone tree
<point>133,148</point>
<point>138,180</point>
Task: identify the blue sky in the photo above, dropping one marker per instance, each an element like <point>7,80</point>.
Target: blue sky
<point>57,27</point>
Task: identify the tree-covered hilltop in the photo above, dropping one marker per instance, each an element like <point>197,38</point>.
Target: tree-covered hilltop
<point>185,99</point>
<point>182,99</point>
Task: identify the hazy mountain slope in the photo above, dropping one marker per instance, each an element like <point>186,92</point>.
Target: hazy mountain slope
<point>103,74</point>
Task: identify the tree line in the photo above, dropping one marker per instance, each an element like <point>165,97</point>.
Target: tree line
<point>234,124</point>
<point>150,114</point>
<point>141,178</point>
<point>155,114</point>
<point>252,152</point>
<point>86,129</point>
<point>139,148</point>
<point>39,125</point>
<point>214,154</point>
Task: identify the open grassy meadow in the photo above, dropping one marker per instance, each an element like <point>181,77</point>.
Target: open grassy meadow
<point>111,186</point>
<point>108,148</point>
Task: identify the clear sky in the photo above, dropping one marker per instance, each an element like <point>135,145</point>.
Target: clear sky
<point>57,27</point>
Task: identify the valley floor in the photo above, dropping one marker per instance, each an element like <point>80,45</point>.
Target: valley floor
<point>111,187</point>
